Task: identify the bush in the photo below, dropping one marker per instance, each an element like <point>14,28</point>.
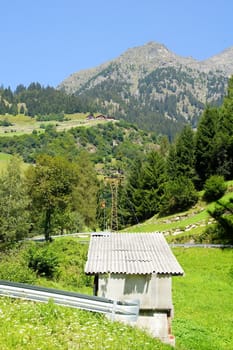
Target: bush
<point>214,188</point>
<point>13,266</point>
<point>16,272</point>
<point>179,195</point>
<point>61,262</point>
<point>5,122</point>
<point>72,257</point>
<point>49,117</point>
<point>43,260</point>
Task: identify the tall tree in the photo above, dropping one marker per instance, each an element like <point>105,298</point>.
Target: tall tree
<point>131,195</point>
<point>14,217</point>
<point>205,147</point>
<point>153,178</point>
<point>144,188</point>
<point>185,158</point>
<point>181,159</point>
<point>179,191</point>
<point>85,193</point>
<point>50,184</point>
<point>225,134</point>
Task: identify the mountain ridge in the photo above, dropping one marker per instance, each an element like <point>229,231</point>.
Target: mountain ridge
<point>150,84</point>
<point>214,62</point>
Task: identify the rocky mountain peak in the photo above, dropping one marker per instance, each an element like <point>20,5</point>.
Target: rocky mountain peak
<point>150,81</point>
<point>222,61</point>
<point>147,58</point>
<point>150,56</point>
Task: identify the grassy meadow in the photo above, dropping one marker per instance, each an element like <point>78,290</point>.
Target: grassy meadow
<point>22,124</point>
<point>26,325</point>
<point>202,301</point>
<point>4,160</point>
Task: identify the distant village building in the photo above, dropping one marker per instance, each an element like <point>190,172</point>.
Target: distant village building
<point>90,117</point>
<point>99,117</point>
<point>136,266</point>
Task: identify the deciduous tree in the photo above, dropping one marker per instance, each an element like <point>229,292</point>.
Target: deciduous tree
<point>14,217</point>
<point>50,184</point>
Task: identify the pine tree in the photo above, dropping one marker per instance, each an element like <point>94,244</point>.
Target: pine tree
<point>144,188</point>
<point>153,179</point>
<point>179,191</point>
<point>205,146</point>
<point>185,157</point>
<point>223,214</point>
<point>225,135</point>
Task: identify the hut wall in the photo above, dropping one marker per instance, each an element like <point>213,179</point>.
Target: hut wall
<point>154,292</point>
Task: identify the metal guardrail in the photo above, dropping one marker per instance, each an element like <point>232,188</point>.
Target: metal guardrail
<point>197,245</point>
<point>115,310</point>
<point>41,238</point>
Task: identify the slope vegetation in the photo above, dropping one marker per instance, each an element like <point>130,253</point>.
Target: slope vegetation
<point>186,226</point>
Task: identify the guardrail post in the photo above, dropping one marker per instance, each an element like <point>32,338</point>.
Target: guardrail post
<point>113,310</point>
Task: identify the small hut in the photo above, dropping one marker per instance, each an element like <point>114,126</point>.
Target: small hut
<point>136,266</point>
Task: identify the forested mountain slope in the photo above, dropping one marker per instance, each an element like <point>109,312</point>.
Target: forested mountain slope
<point>154,87</point>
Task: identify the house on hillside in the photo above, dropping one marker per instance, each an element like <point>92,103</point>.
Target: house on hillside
<point>90,117</point>
<point>136,266</point>
<point>101,117</point>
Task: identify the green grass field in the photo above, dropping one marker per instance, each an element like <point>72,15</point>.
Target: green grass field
<point>22,124</point>
<point>202,301</point>
<point>27,325</point>
<point>4,160</point>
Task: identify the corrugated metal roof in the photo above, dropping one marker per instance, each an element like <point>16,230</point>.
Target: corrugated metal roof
<point>131,253</point>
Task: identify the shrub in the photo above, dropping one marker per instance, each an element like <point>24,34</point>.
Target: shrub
<point>179,195</point>
<point>214,188</point>
<point>72,257</point>
<point>62,261</point>
<point>13,266</point>
<point>43,260</point>
<point>58,117</point>
<point>16,272</point>
<point>5,122</point>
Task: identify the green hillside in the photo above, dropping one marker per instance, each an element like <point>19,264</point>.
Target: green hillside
<point>186,226</point>
<point>22,124</point>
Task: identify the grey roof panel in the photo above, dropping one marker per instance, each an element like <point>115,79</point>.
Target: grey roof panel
<point>131,253</point>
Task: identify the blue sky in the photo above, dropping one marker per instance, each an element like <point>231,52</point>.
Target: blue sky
<point>45,41</point>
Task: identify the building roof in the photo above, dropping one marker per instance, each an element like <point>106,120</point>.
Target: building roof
<point>131,253</point>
